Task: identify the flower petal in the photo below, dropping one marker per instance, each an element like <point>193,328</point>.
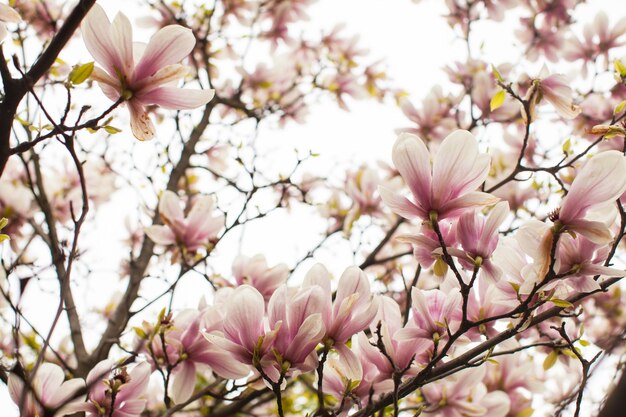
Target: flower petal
<point>168,46</point>
<point>412,159</point>
<point>96,30</point>
<point>400,205</point>
<point>173,98</point>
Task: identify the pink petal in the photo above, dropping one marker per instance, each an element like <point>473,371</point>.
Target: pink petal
<point>47,381</point>
<point>96,30</point>
<point>168,46</point>
<point>122,37</point>
<point>597,232</point>
<point>183,382</point>
<point>140,122</point>
<point>177,98</point>
<point>457,167</point>
<point>245,316</point>
<point>8,14</point>
<point>457,206</point>
<point>161,235</point>
<point>412,159</point>
<point>601,180</point>
<point>169,207</point>
<point>400,205</point>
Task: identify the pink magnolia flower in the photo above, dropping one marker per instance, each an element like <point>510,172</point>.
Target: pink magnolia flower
<point>601,181</point>
<point>297,316</point>
<point>434,119</point>
<point>447,188</point>
<point>255,272</point>
<point>464,395</point>
<point>556,89</point>
<point>189,352</point>
<point>199,228</point>
<point>598,39</point>
<point>354,306</point>
<point>404,352</point>
<point>479,236</point>
<point>244,335</point>
<point>7,15</point>
<point>515,376</point>
<point>369,379</point>
<point>47,389</point>
<point>426,242</point>
<point>147,81</point>
<point>581,259</point>
<point>434,313</point>
<point>115,392</point>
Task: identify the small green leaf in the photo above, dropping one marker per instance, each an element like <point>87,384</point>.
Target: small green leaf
<point>526,412</point>
<point>567,146</point>
<point>620,107</point>
<point>583,342</point>
<point>561,303</point>
<point>569,353</point>
<point>550,360</point>
<point>496,74</point>
<point>440,268</point>
<point>112,130</point>
<point>80,73</point>
<point>497,100</point>
<point>620,68</point>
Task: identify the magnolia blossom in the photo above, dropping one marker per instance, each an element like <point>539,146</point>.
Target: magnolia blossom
<point>403,351</point>
<point>556,89</point>
<point>255,272</point>
<point>7,15</point>
<point>479,237</point>
<point>434,314</point>
<point>354,307</point>
<point>464,395</point>
<point>48,390</point>
<point>297,316</point>
<point>193,353</point>
<point>426,243</point>
<point>244,335</point>
<point>147,81</point>
<point>357,384</point>
<point>580,259</point>
<point>434,119</point>
<point>445,189</point>
<point>600,182</point>
<point>193,231</point>
<point>114,392</point>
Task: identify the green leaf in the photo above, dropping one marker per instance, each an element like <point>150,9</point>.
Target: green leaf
<point>497,100</point>
<point>620,68</point>
<point>567,146</point>
<point>526,412</point>
<point>496,74</point>
<point>112,130</point>
<point>620,107</point>
<point>440,268</point>
<point>80,73</point>
<point>583,342</point>
<point>550,360</point>
<point>569,353</point>
<point>561,303</point>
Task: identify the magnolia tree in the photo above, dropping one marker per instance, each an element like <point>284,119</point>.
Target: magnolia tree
<point>486,260</point>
